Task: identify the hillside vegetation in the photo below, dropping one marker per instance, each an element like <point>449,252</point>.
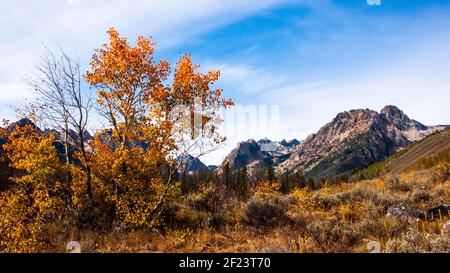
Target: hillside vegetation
<point>342,217</point>
<point>127,188</point>
<point>335,218</point>
<point>435,145</point>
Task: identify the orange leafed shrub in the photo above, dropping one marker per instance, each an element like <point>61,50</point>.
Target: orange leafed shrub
<point>37,194</point>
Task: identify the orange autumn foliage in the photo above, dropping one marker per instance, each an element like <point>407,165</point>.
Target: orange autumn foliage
<point>134,168</point>
<point>37,194</point>
<point>132,162</point>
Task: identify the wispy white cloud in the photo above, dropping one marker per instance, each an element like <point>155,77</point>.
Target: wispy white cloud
<point>14,92</point>
<point>341,60</point>
<point>79,26</point>
<point>412,75</point>
<point>248,79</point>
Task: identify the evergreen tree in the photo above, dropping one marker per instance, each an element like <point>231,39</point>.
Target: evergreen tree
<point>227,175</point>
<point>270,172</point>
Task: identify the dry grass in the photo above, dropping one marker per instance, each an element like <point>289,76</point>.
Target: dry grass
<point>335,218</point>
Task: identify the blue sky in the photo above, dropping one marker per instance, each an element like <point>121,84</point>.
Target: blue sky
<point>312,58</point>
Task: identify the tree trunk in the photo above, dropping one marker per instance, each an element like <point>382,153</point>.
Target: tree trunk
<point>66,143</point>
<point>67,151</point>
<point>88,170</point>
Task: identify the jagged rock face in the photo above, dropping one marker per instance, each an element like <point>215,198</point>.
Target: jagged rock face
<point>59,135</point>
<point>400,126</point>
<point>252,154</point>
<point>277,149</point>
<point>290,144</point>
<point>404,212</point>
<point>22,123</point>
<point>353,140</point>
<point>398,119</point>
<point>245,153</point>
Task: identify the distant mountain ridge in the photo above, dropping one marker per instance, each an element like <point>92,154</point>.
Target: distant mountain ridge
<point>58,142</point>
<point>353,140</point>
<point>189,163</point>
<point>263,152</point>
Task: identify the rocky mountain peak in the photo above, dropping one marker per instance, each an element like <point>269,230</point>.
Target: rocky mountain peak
<point>22,123</point>
<point>289,143</point>
<point>245,153</point>
<point>355,116</point>
<point>392,111</point>
<point>25,121</point>
<point>354,139</point>
<point>249,146</point>
<point>252,153</point>
<point>398,119</point>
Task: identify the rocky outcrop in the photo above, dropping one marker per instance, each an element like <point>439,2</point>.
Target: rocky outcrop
<point>404,212</point>
<point>446,228</point>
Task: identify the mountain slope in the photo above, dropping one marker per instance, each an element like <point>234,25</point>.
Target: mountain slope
<point>354,140</point>
<point>245,153</point>
<point>192,164</point>
<point>253,153</point>
<point>429,147</point>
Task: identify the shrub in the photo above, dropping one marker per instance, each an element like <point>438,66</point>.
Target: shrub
<point>415,242</point>
<point>333,235</point>
<point>325,201</point>
<point>368,192</point>
<point>395,184</point>
<point>212,205</point>
<point>190,218</point>
<point>267,211</point>
<point>420,196</point>
<point>371,228</point>
<point>395,227</point>
<point>209,198</point>
<point>441,193</point>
